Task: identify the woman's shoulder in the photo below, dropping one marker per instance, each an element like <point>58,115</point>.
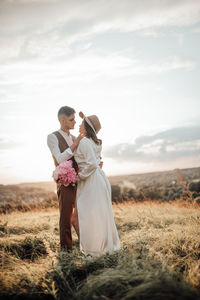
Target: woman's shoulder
<point>89,141</point>
<point>84,142</point>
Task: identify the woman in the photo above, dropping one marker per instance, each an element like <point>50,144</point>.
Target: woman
<point>98,233</point>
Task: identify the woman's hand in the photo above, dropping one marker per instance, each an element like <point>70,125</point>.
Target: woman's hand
<point>101,163</point>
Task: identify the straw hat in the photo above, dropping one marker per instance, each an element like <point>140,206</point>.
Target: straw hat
<point>93,121</point>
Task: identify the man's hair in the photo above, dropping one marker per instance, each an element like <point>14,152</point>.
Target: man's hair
<point>65,110</point>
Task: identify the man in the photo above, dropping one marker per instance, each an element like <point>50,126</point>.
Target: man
<point>62,145</point>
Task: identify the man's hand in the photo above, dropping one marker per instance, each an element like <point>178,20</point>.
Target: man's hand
<point>76,142</point>
<point>101,163</point>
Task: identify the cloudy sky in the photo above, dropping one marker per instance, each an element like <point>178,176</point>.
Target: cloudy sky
<point>134,63</point>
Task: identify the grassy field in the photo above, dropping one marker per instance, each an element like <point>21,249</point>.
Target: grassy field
<point>159,256</point>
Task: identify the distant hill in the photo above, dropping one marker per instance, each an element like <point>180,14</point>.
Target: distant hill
<point>164,177</point>
<point>132,180</point>
<point>165,186</point>
<point>49,186</point>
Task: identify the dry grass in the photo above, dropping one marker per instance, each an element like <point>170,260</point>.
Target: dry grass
<point>169,233</point>
<point>160,256</point>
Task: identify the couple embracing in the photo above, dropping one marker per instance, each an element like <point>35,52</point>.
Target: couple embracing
<point>87,205</point>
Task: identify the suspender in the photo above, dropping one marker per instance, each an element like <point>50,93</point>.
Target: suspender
<point>63,145</point>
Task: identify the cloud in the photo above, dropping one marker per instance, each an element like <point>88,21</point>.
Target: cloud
<point>100,15</point>
<point>87,67</point>
<point>41,28</point>
<point>6,97</point>
<point>166,146</point>
<point>196,30</point>
<point>9,143</point>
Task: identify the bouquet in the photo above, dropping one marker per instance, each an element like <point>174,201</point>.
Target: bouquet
<point>65,174</point>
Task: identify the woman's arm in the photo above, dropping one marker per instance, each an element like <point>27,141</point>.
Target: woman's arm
<point>85,147</point>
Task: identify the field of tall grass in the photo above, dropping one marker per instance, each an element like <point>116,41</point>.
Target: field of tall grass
<point>159,256</point>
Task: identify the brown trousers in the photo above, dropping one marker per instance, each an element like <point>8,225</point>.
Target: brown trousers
<point>66,198</point>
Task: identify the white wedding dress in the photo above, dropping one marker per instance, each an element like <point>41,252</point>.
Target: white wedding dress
<point>98,232</point>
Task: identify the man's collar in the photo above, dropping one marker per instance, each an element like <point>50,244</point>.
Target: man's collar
<point>64,132</point>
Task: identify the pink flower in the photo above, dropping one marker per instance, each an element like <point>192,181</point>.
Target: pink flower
<point>65,173</point>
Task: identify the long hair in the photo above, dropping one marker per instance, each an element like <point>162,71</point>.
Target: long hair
<point>91,134</point>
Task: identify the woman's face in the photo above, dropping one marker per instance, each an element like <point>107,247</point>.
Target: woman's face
<point>82,129</point>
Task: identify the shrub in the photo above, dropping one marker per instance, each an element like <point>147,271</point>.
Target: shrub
<point>197,200</point>
<point>194,187</point>
<point>116,192</point>
<point>29,248</point>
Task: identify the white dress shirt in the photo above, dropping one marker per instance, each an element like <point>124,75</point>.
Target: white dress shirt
<point>52,143</point>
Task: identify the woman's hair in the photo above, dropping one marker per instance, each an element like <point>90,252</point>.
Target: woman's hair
<point>91,134</point>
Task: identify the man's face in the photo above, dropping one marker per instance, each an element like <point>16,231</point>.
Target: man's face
<point>69,121</point>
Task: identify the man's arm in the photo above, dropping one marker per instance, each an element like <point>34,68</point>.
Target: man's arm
<point>76,142</point>
<point>52,143</point>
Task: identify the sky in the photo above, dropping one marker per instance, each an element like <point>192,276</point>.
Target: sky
<point>133,63</point>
